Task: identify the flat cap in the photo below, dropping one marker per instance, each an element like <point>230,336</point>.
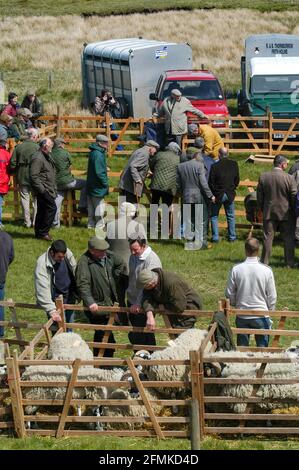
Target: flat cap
<point>24,112</point>
<point>152,143</point>
<point>59,140</point>
<point>96,243</point>
<point>101,138</point>
<point>30,92</point>
<point>176,92</point>
<point>144,278</point>
<point>192,128</point>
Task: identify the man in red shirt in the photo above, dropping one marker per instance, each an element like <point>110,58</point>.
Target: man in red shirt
<point>12,106</point>
<point>4,175</point>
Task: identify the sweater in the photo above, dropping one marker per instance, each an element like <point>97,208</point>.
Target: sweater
<point>251,286</point>
<point>148,260</point>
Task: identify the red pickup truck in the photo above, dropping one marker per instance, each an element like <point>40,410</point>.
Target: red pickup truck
<point>201,87</point>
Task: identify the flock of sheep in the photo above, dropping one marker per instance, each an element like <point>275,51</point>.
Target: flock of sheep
<point>70,346</point>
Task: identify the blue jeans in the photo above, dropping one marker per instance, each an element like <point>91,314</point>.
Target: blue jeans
<point>229,208</point>
<point>262,341</point>
<point>1,204</point>
<point>2,285</point>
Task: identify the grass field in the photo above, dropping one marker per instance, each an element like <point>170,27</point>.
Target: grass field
<point>206,271</point>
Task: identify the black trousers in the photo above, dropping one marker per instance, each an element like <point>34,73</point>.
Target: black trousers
<point>139,320</point>
<point>46,210</point>
<point>166,197</point>
<point>98,334</point>
<point>130,197</point>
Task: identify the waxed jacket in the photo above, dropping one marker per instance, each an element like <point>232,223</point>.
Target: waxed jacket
<point>43,174</point>
<point>97,180</point>
<point>20,161</point>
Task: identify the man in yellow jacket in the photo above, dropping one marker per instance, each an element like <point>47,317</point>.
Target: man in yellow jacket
<point>212,138</point>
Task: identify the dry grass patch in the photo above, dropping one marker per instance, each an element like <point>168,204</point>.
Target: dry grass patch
<point>217,38</point>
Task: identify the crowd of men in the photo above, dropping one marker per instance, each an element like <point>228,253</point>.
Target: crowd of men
<point>121,267</point>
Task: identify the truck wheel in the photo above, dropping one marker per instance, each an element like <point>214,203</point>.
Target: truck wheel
<point>122,111</point>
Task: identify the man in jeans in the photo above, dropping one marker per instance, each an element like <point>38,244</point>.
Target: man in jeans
<point>223,181</point>
<point>6,257</point>
<point>251,286</point>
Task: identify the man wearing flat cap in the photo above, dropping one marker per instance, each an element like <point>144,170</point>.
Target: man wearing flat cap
<point>98,275</point>
<point>97,182</point>
<point>133,176</point>
<point>21,123</point>
<point>167,289</point>
<point>65,179</point>
<point>175,108</point>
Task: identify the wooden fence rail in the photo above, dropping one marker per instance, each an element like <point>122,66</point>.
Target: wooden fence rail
<point>241,134</point>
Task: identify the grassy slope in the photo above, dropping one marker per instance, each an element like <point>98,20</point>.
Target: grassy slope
<point>102,7</point>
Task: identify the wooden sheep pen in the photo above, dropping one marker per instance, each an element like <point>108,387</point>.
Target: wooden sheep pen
<point>57,418</point>
<point>252,420</point>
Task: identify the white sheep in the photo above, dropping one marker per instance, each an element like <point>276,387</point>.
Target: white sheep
<point>179,349</point>
<point>249,370</point>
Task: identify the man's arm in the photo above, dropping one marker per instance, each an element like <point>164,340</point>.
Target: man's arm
<point>135,165</point>
<point>203,182</point>
<point>83,282</point>
<point>101,171</point>
<point>13,161</point>
<point>191,109</point>
<point>212,178</point>
<point>43,292</point>
<point>35,170</point>
<point>231,288</point>
<point>237,175</point>
<point>11,252</point>
<point>260,194</point>
<point>271,292</point>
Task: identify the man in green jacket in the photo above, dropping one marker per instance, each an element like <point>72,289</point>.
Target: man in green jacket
<point>65,179</point>
<point>98,276</point>
<point>19,165</point>
<point>43,182</point>
<point>97,182</point>
<point>21,123</point>
<point>172,292</point>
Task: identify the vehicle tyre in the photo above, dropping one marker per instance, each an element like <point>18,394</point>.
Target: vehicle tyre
<point>122,111</point>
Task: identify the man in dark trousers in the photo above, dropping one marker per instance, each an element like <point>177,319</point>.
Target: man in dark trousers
<point>43,182</point>
<point>196,195</point>
<point>223,181</point>
<point>6,257</point>
<point>276,193</point>
<point>172,292</point>
<point>98,276</point>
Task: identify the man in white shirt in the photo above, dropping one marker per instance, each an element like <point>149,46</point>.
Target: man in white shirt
<point>251,286</point>
<point>142,257</point>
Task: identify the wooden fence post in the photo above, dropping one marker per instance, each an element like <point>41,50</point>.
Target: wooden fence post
<point>194,425</point>
<point>14,318</point>
<point>58,129</point>
<point>270,124</point>
<point>60,307</point>
<point>13,374</point>
<point>196,370</point>
<point>68,398</point>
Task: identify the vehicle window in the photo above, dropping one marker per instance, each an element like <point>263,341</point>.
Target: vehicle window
<point>274,83</point>
<point>194,89</point>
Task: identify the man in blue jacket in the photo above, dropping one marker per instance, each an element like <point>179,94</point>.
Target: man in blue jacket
<point>97,182</point>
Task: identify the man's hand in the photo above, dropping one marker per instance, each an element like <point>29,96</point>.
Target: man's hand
<point>93,308</point>
<point>55,315</point>
<point>150,322</point>
<point>135,309</point>
<point>213,199</point>
<point>138,188</point>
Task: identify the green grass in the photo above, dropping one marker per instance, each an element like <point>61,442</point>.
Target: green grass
<point>101,7</point>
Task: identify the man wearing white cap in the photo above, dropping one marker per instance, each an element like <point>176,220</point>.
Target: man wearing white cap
<point>174,108</point>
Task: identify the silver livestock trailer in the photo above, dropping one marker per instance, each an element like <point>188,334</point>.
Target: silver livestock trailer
<point>129,69</point>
